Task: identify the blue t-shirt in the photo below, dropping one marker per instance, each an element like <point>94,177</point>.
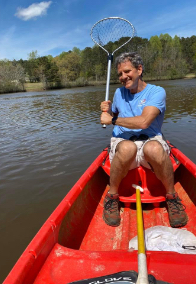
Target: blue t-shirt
<point>131,105</point>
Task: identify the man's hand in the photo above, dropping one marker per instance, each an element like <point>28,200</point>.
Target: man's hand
<point>106,118</point>
<point>106,106</point>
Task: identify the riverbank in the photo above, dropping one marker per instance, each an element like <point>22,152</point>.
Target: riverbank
<point>190,76</point>
<point>36,87</point>
<point>33,87</point>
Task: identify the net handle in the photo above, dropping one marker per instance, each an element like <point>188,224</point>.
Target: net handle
<point>119,46</point>
<point>110,57</point>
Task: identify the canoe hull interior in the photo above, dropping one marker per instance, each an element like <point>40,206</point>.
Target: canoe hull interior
<point>76,244</point>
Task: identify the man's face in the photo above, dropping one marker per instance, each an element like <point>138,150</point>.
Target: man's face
<point>129,75</point>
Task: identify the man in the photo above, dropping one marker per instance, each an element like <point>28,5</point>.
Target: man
<point>137,113</point>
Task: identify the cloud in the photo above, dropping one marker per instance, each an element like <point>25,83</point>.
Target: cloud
<point>34,10</point>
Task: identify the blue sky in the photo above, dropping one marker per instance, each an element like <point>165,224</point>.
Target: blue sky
<point>51,27</point>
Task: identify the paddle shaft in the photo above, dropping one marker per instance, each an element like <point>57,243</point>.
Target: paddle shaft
<point>110,56</point>
<point>142,264</point>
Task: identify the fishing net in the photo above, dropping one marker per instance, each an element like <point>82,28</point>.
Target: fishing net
<point>112,30</point>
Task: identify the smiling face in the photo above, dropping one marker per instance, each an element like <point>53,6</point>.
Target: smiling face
<point>130,76</point>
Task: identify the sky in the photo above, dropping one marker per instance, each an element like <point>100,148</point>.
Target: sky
<point>51,27</point>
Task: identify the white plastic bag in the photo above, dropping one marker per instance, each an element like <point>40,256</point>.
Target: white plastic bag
<point>161,238</point>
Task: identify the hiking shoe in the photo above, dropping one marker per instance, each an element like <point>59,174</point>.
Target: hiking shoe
<point>111,212</point>
<point>176,211</point>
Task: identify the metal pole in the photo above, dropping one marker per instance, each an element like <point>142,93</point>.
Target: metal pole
<point>142,263</point>
<point>110,57</point>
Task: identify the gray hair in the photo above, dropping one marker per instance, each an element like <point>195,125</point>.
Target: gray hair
<point>133,57</point>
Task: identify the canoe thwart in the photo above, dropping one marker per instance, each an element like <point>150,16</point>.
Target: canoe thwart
<point>145,198</point>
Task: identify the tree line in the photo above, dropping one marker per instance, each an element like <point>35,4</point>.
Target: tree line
<point>164,58</point>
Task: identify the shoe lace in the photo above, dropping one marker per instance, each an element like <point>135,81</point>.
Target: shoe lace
<point>112,205</point>
<point>175,205</point>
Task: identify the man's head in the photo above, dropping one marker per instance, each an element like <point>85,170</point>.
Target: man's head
<point>133,57</point>
<point>130,69</point>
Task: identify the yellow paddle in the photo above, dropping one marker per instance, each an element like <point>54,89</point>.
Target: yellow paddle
<point>142,264</point>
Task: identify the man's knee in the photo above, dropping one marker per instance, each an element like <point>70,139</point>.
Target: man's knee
<point>153,150</point>
<point>126,149</point>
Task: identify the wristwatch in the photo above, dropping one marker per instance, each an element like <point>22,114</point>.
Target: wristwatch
<point>114,120</point>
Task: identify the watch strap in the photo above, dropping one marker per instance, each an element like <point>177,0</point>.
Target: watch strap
<point>114,120</point>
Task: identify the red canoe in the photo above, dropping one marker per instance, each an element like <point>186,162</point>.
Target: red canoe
<point>75,243</point>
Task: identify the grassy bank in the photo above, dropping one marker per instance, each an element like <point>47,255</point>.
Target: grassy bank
<point>190,76</point>
<point>35,87</point>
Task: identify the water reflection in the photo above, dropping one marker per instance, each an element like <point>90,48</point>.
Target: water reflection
<point>47,141</point>
<point>181,103</point>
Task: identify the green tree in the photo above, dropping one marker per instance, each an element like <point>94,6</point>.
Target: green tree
<point>69,66</point>
<point>48,72</point>
<point>156,46</point>
<point>32,66</point>
<point>189,51</point>
<point>76,50</point>
<point>166,41</point>
<point>98,71</point>
<point>33,55</point>
<point>87,60</point>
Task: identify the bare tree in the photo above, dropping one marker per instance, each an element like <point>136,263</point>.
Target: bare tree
<point>12,77</point>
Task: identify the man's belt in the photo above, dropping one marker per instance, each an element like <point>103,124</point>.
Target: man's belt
<point>141,137</point>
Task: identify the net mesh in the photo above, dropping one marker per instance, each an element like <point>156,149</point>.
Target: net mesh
<point>112,30</point>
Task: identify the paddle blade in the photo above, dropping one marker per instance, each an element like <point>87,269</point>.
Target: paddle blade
<point>125,277</point>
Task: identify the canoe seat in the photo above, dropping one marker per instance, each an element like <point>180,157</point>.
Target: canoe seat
<point>146,196</point>
<point>139,177</point>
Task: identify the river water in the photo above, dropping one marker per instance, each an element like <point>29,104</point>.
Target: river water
<point>48,139</point>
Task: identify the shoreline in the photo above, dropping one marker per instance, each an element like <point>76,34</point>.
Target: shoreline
<point>38,87</point>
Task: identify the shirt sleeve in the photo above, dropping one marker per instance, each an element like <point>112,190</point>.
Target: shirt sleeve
<point>115,103</point>
<point>157,99</point>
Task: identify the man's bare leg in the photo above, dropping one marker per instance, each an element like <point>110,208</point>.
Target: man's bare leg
<point>161,163</point>
<point>162,166</point>
<point>125,154</point>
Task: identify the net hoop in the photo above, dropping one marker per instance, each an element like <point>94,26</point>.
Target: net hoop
<point>116,18</point>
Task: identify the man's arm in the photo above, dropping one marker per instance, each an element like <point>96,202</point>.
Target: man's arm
<point>142,121</point>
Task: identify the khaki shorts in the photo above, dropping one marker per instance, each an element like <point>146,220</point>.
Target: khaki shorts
<point>139,160</point>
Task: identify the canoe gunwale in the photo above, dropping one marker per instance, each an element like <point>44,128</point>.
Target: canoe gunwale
<point>184,160</point>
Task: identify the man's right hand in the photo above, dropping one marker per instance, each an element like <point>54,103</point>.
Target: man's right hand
<point>106,106</point>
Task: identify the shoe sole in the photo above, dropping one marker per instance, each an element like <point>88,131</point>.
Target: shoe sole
<point>181,224</point>
<point>113,225</point>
